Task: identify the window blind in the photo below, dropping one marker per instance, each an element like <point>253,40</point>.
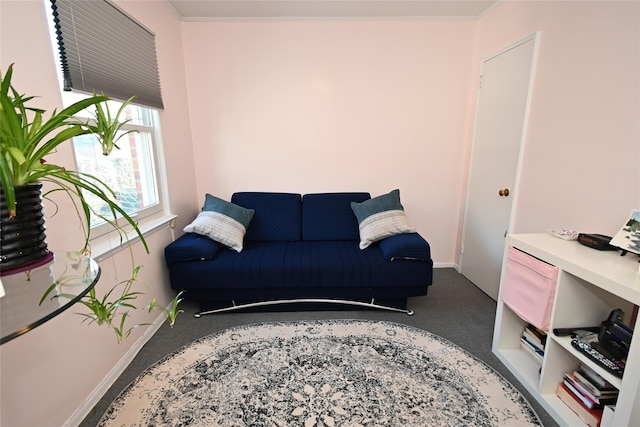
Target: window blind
<point>105,51</point>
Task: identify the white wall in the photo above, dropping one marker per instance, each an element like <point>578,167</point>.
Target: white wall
<point>48,373</point>
<point>335,106</point>
<point>582,156</point>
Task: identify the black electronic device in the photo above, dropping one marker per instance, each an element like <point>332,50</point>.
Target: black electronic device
<point>615,336</point>
<point>596,241</point>
<point>613,366</point>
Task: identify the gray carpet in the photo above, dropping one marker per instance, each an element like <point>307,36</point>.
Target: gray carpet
<point>454,309</point>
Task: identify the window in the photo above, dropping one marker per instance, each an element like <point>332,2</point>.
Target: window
<point>117,58</point>
<point>130,170</point>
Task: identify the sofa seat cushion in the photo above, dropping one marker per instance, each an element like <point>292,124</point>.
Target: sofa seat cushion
<point>328,216</point>
<point>300,264</point>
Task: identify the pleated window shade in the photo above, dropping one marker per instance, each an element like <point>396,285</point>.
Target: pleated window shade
<point>105,51</point>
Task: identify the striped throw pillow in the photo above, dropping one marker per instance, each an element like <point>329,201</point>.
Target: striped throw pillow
<point>222,221</point>
<point>381,217</point>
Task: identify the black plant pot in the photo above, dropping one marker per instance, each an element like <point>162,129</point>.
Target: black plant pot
<point>22,238</point>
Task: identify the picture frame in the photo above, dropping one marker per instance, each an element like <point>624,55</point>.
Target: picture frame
<point>628,237</point>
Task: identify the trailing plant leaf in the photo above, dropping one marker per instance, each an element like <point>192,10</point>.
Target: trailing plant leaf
<point>170,313</point>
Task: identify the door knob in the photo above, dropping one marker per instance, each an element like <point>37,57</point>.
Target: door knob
<point>504,192</point>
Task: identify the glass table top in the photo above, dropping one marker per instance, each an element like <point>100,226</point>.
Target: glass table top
<point>66,276</point>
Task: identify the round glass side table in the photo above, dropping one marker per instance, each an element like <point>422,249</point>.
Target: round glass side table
<point>63,277</point>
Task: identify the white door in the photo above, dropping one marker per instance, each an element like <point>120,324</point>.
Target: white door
<point>499,133</point>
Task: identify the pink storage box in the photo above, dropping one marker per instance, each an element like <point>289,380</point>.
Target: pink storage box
<point>528,287</point>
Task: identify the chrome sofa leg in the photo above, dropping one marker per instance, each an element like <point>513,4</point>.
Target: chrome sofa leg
<point>371,304</point>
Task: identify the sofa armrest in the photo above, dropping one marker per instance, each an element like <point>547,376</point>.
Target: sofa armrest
<point>191,247</point>
<point>409,246</point>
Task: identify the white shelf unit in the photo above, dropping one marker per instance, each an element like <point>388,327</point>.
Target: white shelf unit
<point>590,284</point>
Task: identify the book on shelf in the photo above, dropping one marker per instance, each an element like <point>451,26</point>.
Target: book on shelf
<point>536,335</point>
<point>591,417</point>
<point>586,402</point>
<point>593,388</point>
<point>533,340</point>
<point>533,344</point>
<point>583,393</point>
<point>533,351</point>
<point>595,377</point>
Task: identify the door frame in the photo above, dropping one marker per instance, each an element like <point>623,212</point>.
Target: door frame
<point>525,128</point>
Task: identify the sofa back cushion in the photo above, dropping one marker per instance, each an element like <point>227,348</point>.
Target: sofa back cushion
<point>328,216</point>
<point>277,215</point>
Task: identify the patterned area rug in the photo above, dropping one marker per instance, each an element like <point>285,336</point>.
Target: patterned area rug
<point>321,373</point>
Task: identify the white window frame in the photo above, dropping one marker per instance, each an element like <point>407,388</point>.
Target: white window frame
<point>104,238</point>
<point>156,158</point>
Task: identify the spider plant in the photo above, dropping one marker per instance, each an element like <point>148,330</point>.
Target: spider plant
<point>28,136</point>
<point>108,129</point>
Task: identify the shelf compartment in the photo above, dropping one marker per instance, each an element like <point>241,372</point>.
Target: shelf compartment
<point>510,328</point>
<point>527,371</point>
<point>581,304</point>
<point>558,361</point>
<point>565,343</point>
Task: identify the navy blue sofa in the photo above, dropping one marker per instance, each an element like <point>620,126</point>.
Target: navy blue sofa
<point>300,249</point>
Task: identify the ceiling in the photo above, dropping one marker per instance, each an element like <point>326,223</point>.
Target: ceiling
<point>203,10</point>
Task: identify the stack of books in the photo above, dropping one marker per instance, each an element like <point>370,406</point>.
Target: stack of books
<point>533,341</point>
<point>587,393</point>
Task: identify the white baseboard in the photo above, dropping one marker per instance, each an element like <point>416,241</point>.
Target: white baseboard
<point>445,265</point>
<point>102,388</point>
